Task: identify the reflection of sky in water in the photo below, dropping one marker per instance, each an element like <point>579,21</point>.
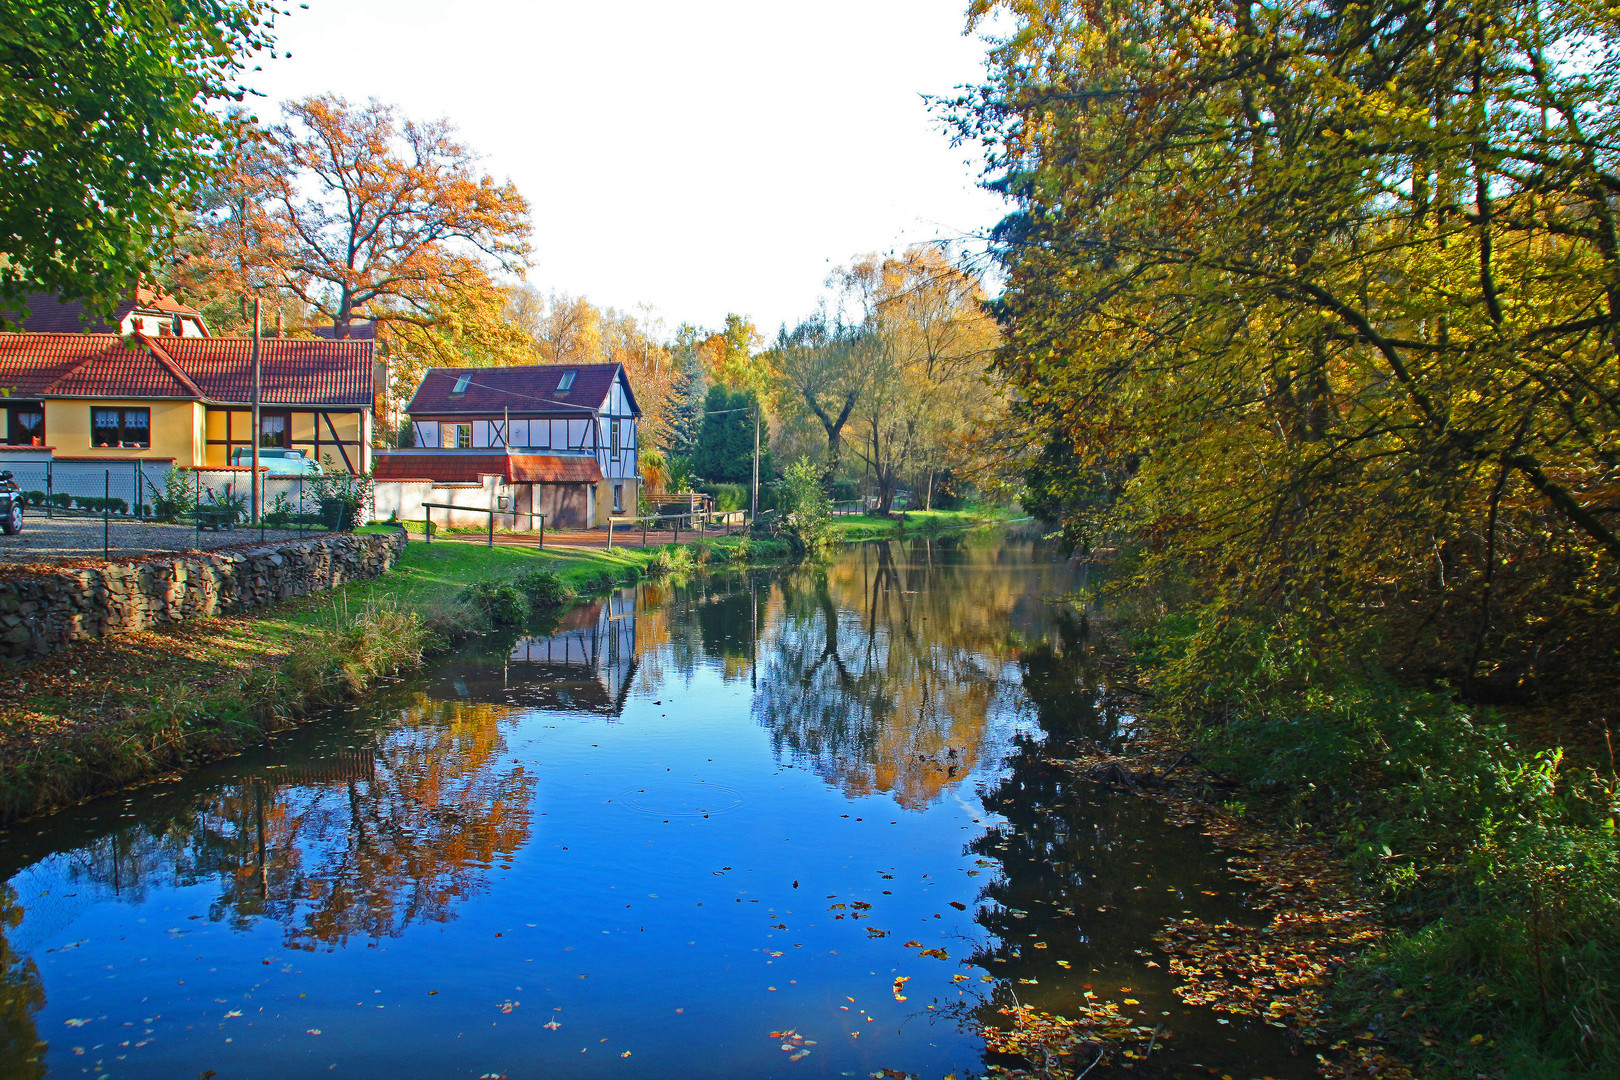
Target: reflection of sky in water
<point>688,815</point>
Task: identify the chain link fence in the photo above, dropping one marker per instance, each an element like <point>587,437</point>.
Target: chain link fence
<point>77,509</point>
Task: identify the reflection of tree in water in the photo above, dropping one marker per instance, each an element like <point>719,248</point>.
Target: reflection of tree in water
<point>364,843</point>
<point>21,997</point>
<point>885,671</point>
<point>1090,874</point>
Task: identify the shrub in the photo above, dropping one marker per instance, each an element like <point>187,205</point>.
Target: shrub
<point>343,498</point>
<point>178,495</point>
<point>542,587</point>
<point>670,559</point>
<point>35,498</point>
<point>806,512</point>
<point>498,601</point>
<point>62,500</point>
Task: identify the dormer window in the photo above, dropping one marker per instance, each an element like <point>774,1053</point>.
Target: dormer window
<point>566,383</point>
<point>461,384</point>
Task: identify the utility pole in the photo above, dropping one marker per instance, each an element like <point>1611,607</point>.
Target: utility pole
<point>753,502</point>
<point>255,425</point>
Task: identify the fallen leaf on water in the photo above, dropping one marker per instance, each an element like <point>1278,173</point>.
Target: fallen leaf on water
<point>551,1025</point>
<point>958,906</point>
<point>939,953</point>
<point>899,985</point>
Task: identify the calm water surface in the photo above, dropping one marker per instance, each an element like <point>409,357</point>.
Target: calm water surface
<point>634,844</point>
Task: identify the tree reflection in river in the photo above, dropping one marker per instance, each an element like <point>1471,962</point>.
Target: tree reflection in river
<point>364,842</point>
<point>887,672</point>
<point>21,997</point>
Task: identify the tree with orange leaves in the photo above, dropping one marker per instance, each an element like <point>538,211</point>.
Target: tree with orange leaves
<point>366,215</point>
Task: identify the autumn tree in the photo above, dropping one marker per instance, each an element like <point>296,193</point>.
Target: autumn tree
<point>731,355</point>
<point>1342,282</point>
<point>107,125</point>
<point>371,216</point>
<point>822,366</point>
<point>922,374</point>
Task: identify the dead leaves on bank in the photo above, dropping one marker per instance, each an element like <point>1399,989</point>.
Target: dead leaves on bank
<point>1278,972</point>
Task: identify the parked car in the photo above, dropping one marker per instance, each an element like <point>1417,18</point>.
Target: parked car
<point>278,462</point>
<point>11,505</point>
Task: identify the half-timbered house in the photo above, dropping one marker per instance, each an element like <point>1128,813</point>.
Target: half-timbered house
<point>557,440</point>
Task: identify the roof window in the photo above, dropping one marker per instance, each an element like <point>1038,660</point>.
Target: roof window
<point>566,382</point>
<point>461,384</point>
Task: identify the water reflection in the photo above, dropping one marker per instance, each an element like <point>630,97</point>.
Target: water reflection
<point>585,664</point>
<point>883,727</point>
<point>355,842</point>
<point>885,669</point>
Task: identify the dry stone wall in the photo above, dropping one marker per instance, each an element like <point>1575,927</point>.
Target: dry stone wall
<point>42,612</point>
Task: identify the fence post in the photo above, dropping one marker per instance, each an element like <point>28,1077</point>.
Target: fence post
<point>135,507</point>
<point>542,542</point>
<point>491,527</point>
<point>427,524</point>
<point>610,532</point>
<point>50,488</point>
<point>196,508</point>
<point>106,517</point>
<point>643,532</point>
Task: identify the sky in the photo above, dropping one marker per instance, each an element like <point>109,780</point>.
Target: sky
<point>701,158</point>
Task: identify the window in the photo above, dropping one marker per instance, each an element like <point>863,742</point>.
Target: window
<point>613,429</point>
<point>273,429</point>
<point>618,498</point>
<point>113,428</point>
<point>566,383</point>
<point>463,436</point>
<point>25,425</point>
<point>461,384</point>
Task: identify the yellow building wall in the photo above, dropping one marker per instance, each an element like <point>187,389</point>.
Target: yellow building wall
<point>604,499</point>
<point>177,429</point>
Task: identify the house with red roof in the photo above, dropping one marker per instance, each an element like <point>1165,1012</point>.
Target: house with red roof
<point>158,386</point>
<point>558,440</point>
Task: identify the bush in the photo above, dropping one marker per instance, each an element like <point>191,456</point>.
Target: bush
<point>806,511</point>
<point>62,500</point>
<point>35,498</point>
<point>670,559</point>
<point>498,601</point>
<point>542,587</point>
<point>343,499</point>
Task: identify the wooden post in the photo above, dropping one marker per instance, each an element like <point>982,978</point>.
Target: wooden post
<point>610,532</point>
<point>753,502</point>
<point>256,384</point>
<point>106,516</point>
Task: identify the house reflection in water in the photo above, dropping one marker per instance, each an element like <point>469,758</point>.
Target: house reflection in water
<point>585,665</point>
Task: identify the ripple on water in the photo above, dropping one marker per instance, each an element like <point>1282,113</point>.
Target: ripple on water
<point>681,798</point>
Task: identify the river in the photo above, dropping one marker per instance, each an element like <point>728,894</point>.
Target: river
<point>795,823</point>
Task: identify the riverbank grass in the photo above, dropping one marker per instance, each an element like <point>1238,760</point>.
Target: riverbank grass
<point>861,527</point>
<point>105,714</point>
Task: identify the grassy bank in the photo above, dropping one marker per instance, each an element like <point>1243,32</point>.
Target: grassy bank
<point>915,523</point>
<point>106,714</point>
<point>1486,861</point>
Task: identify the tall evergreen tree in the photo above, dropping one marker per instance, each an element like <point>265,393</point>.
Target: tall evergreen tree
<point>687,393</point>
<point>725,446</point>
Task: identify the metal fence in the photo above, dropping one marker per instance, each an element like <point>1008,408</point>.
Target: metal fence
<point>87,509</point>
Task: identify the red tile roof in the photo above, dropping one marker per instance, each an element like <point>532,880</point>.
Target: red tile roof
<point>48,314</point>
<point>293,371</point>
<point>301,372</point>
<point>451,467</point>
<point>528,389</point>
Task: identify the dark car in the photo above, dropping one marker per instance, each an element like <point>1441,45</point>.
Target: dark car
<point>11,505</point>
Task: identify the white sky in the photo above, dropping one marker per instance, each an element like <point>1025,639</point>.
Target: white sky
<point>699,157</point>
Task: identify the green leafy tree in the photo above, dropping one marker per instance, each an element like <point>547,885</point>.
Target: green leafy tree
<point>724,453</point>
<point>105,130</point>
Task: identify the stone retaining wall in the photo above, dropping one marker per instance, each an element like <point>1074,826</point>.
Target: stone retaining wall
<point>42,612</point>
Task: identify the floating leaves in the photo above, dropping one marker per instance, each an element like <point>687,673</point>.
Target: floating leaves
<point>899,986</point>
